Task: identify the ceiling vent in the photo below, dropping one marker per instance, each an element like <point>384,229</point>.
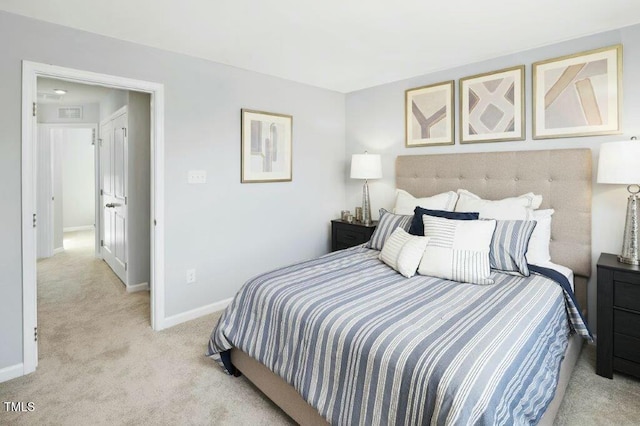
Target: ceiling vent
<point>72,112</point>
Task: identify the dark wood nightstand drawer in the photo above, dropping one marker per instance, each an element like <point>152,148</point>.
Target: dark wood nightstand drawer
<point>618,345</point>
<point>626,347</point>
<point>345,235</point>
<point>625,294</point>
<point>626,323</point>
<point>350,236</point>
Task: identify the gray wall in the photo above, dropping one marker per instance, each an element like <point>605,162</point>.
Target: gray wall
<point>113,101</point>
<point>226,230</point>
<point>138,188</point>
<point>375,122</point>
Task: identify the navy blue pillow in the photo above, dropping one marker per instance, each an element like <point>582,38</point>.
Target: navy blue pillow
<point>417,226</point>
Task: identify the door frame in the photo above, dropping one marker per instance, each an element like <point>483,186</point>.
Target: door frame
<point>95,128</point>
<point>30,72</point>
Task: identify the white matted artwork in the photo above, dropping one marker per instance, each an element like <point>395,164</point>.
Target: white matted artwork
<point>266,147</point>
<point>492,106</point>
<point>429,115</point>
<point>578,95</point>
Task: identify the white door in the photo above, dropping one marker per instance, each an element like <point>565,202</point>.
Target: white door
<point>44,192</point>
<point>113,179</point>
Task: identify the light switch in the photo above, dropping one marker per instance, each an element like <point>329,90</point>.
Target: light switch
<point>197,176</point>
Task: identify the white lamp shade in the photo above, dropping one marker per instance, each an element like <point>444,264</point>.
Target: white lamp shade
<point>366,166</point>
<point>619,163</point>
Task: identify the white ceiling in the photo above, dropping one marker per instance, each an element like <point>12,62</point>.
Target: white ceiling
<point>343,45</point>
<point>76,93</point>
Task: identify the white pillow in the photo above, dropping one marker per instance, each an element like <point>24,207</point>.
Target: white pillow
<point>538,252</point>
<point>457,250</point>
<point>403,251</point>
<point>406,203</point>
<point>515,208</point>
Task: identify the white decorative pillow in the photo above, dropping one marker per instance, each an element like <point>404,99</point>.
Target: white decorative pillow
<point>457,250</point>
<point>403,251</point>
<point>538,252</point>
<point>515,208</point>
<point>406,203</point>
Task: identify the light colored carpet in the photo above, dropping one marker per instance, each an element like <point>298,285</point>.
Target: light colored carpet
<point>100,363</point>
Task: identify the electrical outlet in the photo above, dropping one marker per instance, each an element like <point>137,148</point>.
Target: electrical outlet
<point>197,176</point>
<point>191,276</point>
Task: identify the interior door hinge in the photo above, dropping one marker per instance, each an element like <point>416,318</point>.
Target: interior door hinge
<point>35,334</point>
<point>125,266</point>
<point>34,220</point>
<point>93,137</point>
<point>124,130</point>
<point>101,191</point>
<point>101,243</point>
<point>35,109</point>
<point>155,223</point>
<point>125,201</point>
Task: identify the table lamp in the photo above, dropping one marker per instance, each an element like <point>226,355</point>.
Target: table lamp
<point>619,163</point>
<point>366,166</point>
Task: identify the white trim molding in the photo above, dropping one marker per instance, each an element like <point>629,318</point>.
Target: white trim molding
<point>78,228</point>
<point>30,72</point>
<point>196,313</point>
<point>137,287</point>
<point>11,372</point>
<point>58,250</point>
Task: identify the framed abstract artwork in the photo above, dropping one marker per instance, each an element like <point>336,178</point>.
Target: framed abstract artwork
<point>492,106</point>
<point>266,147</point>
<point>578,95</point>
<point>429,115</point>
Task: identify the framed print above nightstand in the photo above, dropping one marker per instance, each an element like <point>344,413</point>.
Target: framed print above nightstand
<point>578,95</point>
<point>429,117</point>
<point>492,106</point>
<point>266,147</point>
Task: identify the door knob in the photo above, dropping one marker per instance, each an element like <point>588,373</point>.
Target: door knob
<point>111,205</point>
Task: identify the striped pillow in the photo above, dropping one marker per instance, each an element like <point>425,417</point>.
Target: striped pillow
<point>386,225</point>
<point>403,251</point>
<point>509,245</point>
<point>458,250</point>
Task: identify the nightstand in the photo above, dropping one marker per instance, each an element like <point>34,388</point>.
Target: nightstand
<point>618,317</point>
<point>345,234</point>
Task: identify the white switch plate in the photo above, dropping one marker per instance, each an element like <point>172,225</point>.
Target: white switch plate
<point>191,276</point>
<point>197,176</point>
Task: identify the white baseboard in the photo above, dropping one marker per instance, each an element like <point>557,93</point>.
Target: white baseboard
<point>58,250</point>
<point>137,287</point>
<point>196,313</point>
<point>11,372</point>
<point>78,228</point>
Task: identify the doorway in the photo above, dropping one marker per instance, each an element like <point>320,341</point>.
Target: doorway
<point>31,71</point>
<point>66,184</point>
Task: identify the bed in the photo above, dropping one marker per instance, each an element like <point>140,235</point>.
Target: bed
<point>562,177</point>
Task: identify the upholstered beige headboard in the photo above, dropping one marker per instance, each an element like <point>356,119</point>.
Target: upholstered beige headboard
<point>562,177</point>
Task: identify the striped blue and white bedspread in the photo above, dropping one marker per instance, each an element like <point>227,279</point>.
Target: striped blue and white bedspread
<point>364,345</point>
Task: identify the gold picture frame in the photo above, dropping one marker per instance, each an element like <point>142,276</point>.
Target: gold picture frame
<point>578,95</point>
<point>492,106</point>
<point>429,115</point>
<point>266,147</point>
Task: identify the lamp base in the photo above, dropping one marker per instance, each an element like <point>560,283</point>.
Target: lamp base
<point>631,236</point>
<point>366,205</point>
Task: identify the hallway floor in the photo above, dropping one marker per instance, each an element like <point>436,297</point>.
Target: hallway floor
<point>101,363</point>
